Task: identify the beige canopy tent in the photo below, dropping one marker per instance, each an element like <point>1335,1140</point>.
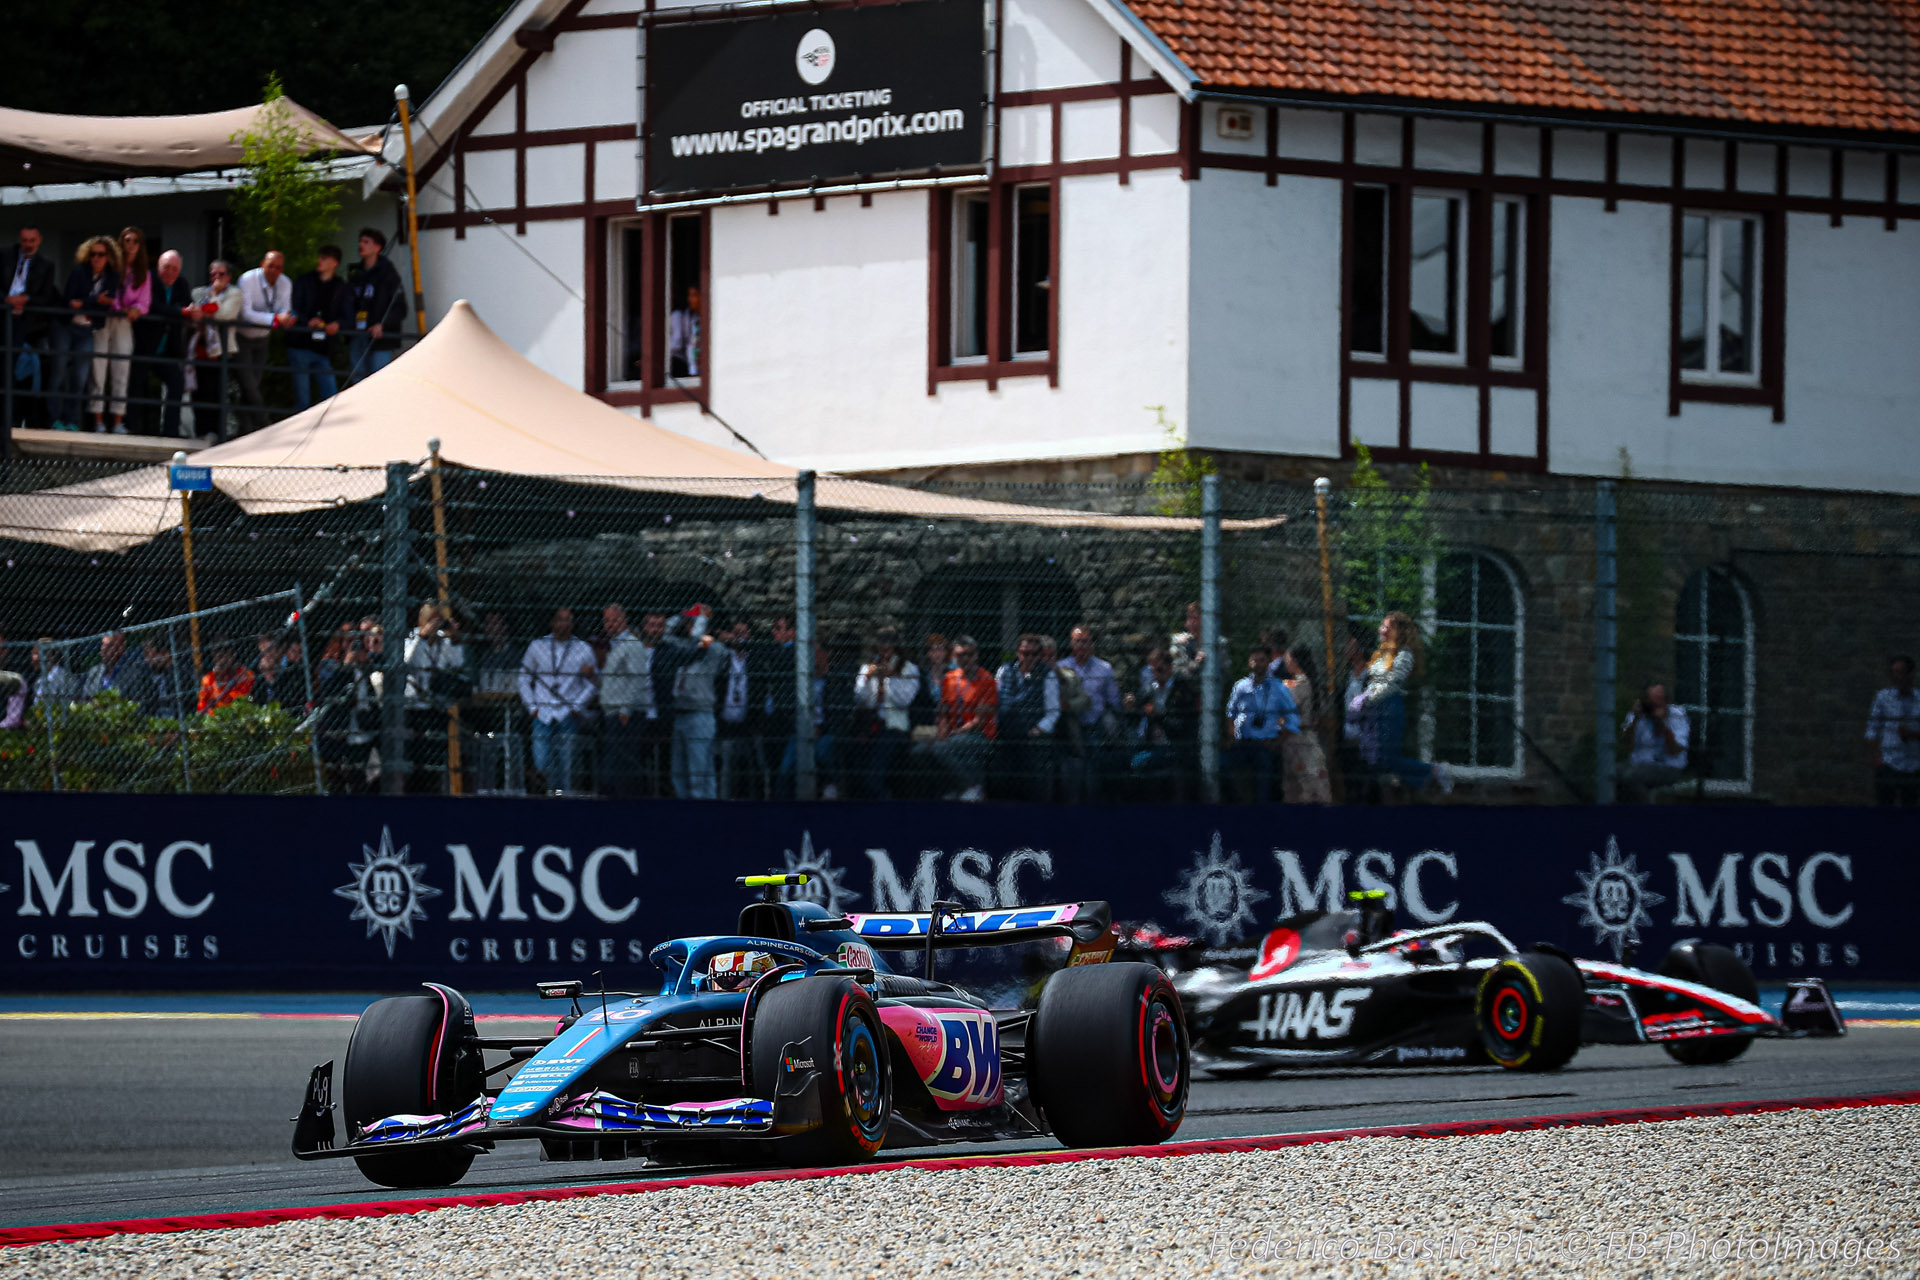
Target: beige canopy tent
<point>37,148</point>
<point>492,410</point>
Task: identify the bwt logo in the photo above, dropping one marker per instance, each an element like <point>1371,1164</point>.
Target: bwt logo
<point>131,883</point>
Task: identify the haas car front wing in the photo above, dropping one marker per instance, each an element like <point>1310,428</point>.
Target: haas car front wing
<point>1632,1006</point>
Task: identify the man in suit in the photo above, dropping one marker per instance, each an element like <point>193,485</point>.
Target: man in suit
<point>31,282</point>
<point>160,344</point>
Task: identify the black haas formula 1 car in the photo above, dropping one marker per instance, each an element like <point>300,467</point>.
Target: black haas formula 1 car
<point>790,1039</point>
<point>1338,988</point>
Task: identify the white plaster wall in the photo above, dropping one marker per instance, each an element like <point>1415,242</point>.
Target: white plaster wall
<point>1050,44</point>
<point>1853,308</point>
<point>1265,330</point>
<point>820,334</point>
<point>588,79</point>
<point>531,311</point>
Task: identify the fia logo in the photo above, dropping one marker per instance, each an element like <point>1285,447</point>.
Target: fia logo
<point>386,891</point>
<point>815,58</point>
<point>1614,898</point>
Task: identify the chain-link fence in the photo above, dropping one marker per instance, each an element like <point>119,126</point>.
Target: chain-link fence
<point>476,632</point>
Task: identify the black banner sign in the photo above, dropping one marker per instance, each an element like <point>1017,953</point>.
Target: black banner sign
<point>366,893</point>
<point>824,95</point>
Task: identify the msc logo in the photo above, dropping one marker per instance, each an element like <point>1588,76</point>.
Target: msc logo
<point>386,891</point>
<point>1291,1015</point>
<point>970,1065</point>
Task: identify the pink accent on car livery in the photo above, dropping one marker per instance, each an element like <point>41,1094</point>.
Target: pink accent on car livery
<point>955,1052</point>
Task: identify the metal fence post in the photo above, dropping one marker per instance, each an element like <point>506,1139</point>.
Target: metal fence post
<point>394,554</point>
<point>47,710</point>
<point>803,547</point>
<point>306,669</point>
<point>1210,637</point>
<point>1606,579</point>
<point>179,713</point>
<point>7,358</point>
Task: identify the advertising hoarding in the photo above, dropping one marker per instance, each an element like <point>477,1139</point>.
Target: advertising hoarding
<point>817,96</point>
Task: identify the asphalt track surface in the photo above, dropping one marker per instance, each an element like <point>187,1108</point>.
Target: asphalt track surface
<point>108,1116</point>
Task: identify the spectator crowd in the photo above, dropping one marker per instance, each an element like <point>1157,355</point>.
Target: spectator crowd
<point>122,343</point>
<point>680,706</point>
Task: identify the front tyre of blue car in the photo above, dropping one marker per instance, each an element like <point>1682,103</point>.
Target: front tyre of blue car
<point>825,1027</point>
<point>391,1069</point>
<point>1109,1056</point>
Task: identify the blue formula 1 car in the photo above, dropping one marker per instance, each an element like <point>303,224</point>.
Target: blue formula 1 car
<point>791,1039</point>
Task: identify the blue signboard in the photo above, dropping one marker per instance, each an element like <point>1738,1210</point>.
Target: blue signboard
<point>358,893</point>
<point>190,479</point>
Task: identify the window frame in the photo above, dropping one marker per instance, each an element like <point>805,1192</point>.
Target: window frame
<point>1461,271</point>
<point>1768,388</point>
<point>1518,249</point>
<point>1716,222</point>
<point>606,350</point>
<point>1431,623</point>
<point>1698,713</point>
<point>1000,360</point>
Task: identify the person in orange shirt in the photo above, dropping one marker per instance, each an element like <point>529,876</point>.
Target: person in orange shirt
<point>968,724</point>
<point>227,681</point>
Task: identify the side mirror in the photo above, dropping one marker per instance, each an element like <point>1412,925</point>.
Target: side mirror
<point>569,990</point>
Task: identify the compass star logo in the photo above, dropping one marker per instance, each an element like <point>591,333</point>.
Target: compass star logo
<point>826,883</point>
<point>1217,895</point>
<point>386,890</point>
<point>1614,898</point>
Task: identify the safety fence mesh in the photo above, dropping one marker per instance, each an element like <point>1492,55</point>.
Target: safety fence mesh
<point>1058,642</point>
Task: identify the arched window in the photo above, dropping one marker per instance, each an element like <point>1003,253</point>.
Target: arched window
<point>1713,674</point>
<point>1476,636</point>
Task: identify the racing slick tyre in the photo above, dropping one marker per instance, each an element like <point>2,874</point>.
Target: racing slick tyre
<point>1691,960</point>
<point>829,1026</point>
<point>388,1061</point>
<point>1108,1056</point>
<point>1529,1009</point>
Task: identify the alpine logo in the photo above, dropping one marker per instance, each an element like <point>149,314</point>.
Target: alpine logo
<point>1292,1015</point>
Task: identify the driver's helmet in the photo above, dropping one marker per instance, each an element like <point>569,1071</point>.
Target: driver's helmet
<point>736,970</point>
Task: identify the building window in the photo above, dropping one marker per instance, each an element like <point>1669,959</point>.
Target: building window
<point>1434,276</point>
<point>994,305</point>
<point>1032,272</point>
<point>1477,631</point>
<point>657,336</point>
<point>1411,263</point>
<point>1719,297</point>
<point>1368,320</point>
<point>1713,675</point>
<point>685,269</point>
<point>1507,295</point>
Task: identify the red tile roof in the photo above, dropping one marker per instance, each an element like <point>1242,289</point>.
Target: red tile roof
<point>1839,64</point>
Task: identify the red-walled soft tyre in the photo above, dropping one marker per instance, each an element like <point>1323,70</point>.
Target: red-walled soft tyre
<point>838,1033</point>
<point>1108,1056</point>
<point>389,1060</point>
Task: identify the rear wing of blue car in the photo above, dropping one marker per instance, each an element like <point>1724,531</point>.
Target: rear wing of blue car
<point>948,925</point>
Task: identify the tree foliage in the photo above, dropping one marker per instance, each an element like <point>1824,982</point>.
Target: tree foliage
<point>340,59</point>
<point>1178,470</point>
<point>1389,544</point>
<point>282,203</point>
<point>107,744</point>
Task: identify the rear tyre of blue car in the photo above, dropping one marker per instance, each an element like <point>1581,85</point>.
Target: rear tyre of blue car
<point>1529,1009</point>
<point>827,1028</point>
<point>1108,1056</point>
<point>386,1074</point>
<point>1710,966</point>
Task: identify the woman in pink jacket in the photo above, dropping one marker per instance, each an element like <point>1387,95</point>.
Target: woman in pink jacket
<point>113,345</point>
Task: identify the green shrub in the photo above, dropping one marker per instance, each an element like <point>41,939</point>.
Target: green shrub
<point>108,744</point>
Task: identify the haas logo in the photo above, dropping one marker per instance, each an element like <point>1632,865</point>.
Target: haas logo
<point>1293,1015</point>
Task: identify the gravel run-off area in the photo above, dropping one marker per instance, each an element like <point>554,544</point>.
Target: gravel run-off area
<point>1802,1193</point>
